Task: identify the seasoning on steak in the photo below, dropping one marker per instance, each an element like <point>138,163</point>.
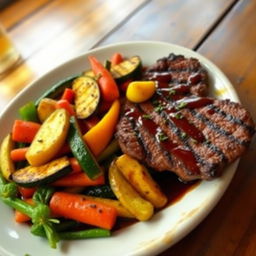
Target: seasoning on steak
<point>192,136</point>
<point>185,75</point>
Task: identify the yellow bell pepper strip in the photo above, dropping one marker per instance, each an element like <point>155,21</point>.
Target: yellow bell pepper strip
<point>98,137</point>
<point>140,91</point>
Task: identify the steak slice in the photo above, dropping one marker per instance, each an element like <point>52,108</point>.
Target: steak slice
<point>183,74</point>
<point>194,137</point>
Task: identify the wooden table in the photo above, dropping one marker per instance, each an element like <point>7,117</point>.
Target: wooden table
<point>48,32</point>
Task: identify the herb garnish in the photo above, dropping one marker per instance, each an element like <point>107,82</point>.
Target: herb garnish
<point>178,115</point>
<point>161,136</point>
<point>183,135</point>
<point>146,116</point>
<point>181,105</point>
<point>159,108</point>
<point>172,92</point>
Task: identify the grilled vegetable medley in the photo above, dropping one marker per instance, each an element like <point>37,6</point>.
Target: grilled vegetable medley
<point>62,170</point>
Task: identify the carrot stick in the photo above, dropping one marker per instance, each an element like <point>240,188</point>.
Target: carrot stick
<point>107,83</point>
<point>68,95</point>
<point>19,154</point>
<point>64,150</point>
<point>77,207</point>
<point>76,168</point>
<point>78,179</point>
<point>116,58</point>
<point>66,105</point>
<point>24,131</point>
<point>21,217</point>
<point>26,192</point>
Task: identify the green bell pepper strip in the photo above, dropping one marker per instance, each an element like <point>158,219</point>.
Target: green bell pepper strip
<point>108,151</point>
<point>28,112</point>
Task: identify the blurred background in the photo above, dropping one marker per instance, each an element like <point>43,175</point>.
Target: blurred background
<point>48,32</point>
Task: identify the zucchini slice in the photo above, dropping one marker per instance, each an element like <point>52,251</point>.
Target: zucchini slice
<point>57,89</point>
<point>89,73</point>
<point>87,96</point>
<point>7,165</point>
<point>103,191</point>
<point>81,151</point>
<point>127,69</point>
<point>32,176</point>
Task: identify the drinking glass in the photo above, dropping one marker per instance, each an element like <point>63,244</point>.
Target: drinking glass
<point>8,53</point>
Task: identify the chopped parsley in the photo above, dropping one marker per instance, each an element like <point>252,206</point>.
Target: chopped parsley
<point>194,141</point>
<point>161,136</point>
<point>181,105</point>
<point>172,92</point>
<point>183,135</point>
<point>178,115</point>
<point>147,116</point>
<point>159,108</point>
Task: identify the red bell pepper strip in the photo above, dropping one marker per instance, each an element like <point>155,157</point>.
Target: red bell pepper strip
<point>116,58</point>
<point>24,131</point>
<point>66,105</point>
<point>68,95</point>
<point>107,83</point>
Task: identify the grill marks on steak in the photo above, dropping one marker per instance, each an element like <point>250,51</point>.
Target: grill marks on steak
<point>220,142</point>
<point>180,130</point>
<point>179,72</point>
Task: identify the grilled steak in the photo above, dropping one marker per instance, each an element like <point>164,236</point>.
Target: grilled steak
<point>185,75</point>
<point>193,136</point>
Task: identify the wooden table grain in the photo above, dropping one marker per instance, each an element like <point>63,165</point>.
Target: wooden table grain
<point>48,32</point>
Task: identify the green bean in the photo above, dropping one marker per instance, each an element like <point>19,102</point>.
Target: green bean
<point>109,150</point>
<point>89,233</point>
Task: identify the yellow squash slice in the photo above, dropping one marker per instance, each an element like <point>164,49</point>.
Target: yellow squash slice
<point>140,179</point>
<point>7,166</point>
<point>49,139</point>
<point>127,195</point>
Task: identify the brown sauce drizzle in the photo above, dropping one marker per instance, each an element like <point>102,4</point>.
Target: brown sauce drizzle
<point>195,102</point>
<point>183,154</point>
<point>171,99</point>
<point>171,187</point>
<point>160,76</point>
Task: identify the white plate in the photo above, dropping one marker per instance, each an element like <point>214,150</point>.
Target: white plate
<point>144,238</point>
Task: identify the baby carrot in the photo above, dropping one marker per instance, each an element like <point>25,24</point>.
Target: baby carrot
<point>77,207</point>
<point>76,168</point>
<point>19,154</point>
<point>78,179</point>
<point>24,131</point>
